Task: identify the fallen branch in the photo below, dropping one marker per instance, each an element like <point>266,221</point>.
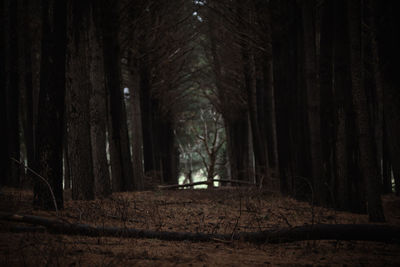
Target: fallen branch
<point>363,232</point>
<point>174,186</point>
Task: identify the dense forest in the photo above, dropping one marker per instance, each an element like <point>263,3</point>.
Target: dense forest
<point>296,97</point>
<point>114,112</point>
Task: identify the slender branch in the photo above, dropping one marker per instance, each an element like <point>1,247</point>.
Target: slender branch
<point>42,178</point>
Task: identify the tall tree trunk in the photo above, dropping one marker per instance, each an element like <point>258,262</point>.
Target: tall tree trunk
<point>388,44</point>
<point>326,89</point>
<point>259,143</point>
<point>137,132</point>
<point>98,108</point>
<point>378,89</point>
<point>4,160</point>
<point>270,133</point>
<point>284,43</point>
<point>29,112</point>
<point>49,133</point>
<point>341,83</point>
<point>12,93</point>
<point>79,141</point>
<point>300,135</point>
<point>313,102</point>
<point>147,125</point>
<point>368,163</point>
<point>121,165</point>
<point>259,139</point>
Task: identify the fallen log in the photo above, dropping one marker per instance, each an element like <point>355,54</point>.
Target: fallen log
<point>362,232</point>
<point>175,186</point>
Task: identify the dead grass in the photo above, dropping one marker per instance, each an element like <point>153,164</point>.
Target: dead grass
<point>208,211</point>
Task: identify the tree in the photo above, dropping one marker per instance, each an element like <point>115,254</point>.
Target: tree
<point>121,164</point>
<point>368,163</point>
<point>210,140</point>
<point>49,134</point>
<point>98,106</point>
<point>79,90</point>
<point>12,94</point>
<point>4,157</point>
<point>313,101</point>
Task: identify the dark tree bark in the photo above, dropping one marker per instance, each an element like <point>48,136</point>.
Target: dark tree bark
<point>259,140</point>
<point>168,153</point>
<point>284,59</point>
<point>388,43</point>
<point>49,134</point>
<point>259,143</point>
<point>146,107</point>
<point>321,193</point>
<point>386,166</point>
<point>11,62</point>
<point>27,81</point>
<point>4,161</point>
<point>326,89</point>
<point>368,163</point>
<point>121,165</point>
<point>266,107</point>
<point>341,105</point>
<point>237,134</point>
<point>137,133</point>
<point>98,107</point>
<point>79,141</point>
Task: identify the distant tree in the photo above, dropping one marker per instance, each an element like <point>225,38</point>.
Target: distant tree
<point>210,140</point>
<point>229,94</point>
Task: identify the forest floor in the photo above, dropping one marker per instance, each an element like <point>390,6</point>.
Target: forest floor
<point>224,211</point>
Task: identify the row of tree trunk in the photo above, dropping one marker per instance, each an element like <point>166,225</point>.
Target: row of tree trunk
<point>317,86</point>
<point>64,111</point>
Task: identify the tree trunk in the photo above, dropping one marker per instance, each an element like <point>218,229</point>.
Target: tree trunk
<point>284,43</point>
<point>27,86</point>
<point>259,139</point>
<point>4,158</point>
<point>341,84</point>
<point>50,125</point>
<point>386,166</point>
<point>326,89</point>
<point>368,163</point>
<point>320,183</point>
<point>98,108</point>
<point>137,133</point>
<point>121,164</point>
<point>146,120</point>
<point>269,99</point>
<point>12,92</point>
<point>390,56</point>
<point>79,141</point>
<point>238,148</point>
